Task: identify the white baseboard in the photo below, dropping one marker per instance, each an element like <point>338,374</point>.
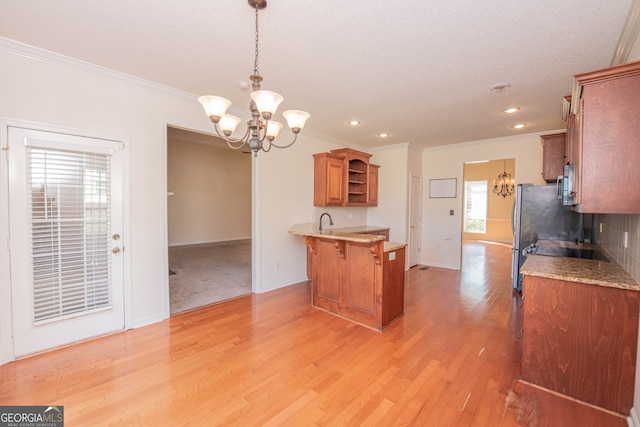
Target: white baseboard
<point>633,419</point>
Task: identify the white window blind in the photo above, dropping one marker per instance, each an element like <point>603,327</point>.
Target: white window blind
<point>69,203</point>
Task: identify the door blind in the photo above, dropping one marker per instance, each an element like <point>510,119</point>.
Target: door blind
<point>69,205</point>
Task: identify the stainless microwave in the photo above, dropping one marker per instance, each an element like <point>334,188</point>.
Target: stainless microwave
<point>568,181</point>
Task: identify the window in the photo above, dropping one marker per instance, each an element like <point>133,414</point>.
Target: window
<point>475,207</point>
<point>70,234</point>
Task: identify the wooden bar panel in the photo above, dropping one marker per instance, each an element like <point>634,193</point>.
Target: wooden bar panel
<point>393,289</point>
<point>328,293</point>
<point>349,280</point>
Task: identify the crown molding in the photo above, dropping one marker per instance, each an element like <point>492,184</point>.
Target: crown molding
<point>628,36</point>
<point>35,53</point>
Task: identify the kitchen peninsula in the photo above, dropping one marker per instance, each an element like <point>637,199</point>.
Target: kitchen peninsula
<point>354,275</point>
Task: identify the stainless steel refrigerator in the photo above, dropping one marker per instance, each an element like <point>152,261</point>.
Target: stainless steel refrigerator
<point>538,214</point>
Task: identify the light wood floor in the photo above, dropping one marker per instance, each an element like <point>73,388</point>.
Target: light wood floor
<point>272,359</point>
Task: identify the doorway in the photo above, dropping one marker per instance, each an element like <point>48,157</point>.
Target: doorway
<point>414,220</point>
<point>486,215</point>
<point>208,218</point>
<point>66,216</point>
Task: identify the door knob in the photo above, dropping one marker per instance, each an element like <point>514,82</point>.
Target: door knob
<point>115,250</point>
<point>116,237</point>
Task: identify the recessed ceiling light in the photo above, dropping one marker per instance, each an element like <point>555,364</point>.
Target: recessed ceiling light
<point>500,87</point>
<point>354,122</point>
<point>383,134</point>
<point>519,126</point>
<point>511,110</point>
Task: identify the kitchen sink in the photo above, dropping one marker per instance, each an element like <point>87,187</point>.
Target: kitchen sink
<point>572,253</point>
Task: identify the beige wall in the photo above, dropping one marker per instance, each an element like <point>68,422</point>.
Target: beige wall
<point>498,208</point>
<point>211,187</point>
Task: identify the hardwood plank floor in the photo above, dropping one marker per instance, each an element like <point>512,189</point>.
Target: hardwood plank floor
<point>271,359</point>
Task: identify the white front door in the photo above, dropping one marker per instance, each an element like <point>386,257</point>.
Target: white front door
<point>65,225</point>
<point>414,220</point>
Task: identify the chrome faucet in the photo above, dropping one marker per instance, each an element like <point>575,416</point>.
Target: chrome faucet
<point>330,220</point>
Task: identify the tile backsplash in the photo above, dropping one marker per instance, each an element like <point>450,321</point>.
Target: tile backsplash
<point>612,240</point>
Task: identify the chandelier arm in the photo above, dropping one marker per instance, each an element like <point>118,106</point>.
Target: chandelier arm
<point>295,138</point>
<point>266,150</point>
<point>230,141</point>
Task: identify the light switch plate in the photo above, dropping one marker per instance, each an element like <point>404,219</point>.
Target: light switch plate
<point>392,256</point>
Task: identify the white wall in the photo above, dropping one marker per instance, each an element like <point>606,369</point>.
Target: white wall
<point>441,232</point>
<point>392,191</point>
<point>63,94</point>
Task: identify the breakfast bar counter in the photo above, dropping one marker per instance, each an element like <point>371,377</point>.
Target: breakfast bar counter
<point>359,277</point>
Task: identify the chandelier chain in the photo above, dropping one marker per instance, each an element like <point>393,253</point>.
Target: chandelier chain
<point>255,62</point>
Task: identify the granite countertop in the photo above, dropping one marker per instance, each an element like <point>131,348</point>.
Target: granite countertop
<point>353,234</point>
<point>602,273</point>
<point>390,246</point>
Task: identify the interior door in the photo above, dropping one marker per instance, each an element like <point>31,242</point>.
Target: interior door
<point>65,217</point>
<point>414,221</point>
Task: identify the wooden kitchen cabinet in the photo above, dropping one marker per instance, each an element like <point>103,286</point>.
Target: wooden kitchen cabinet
<point>373,185</point>
<point>356,177</point>
<point>603,131</point>
<point>553,155</point>
<point>329,180</point>
<point>580,340</point>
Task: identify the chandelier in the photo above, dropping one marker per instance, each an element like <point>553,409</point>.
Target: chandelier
<point>261,130</point>
<point>505,185</point>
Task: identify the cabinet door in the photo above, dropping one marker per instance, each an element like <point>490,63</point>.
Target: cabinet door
<point>553,156</point>
<point>329,177</point>
<point>610,152</point>
<point>581,340</point>
<point>373,185</point>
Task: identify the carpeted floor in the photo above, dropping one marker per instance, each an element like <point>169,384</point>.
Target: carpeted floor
<point>208,273</point>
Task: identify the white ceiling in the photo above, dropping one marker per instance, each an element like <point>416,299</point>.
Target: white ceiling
<point>418,69</point>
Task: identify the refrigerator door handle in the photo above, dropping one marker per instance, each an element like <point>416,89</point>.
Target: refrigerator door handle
<point>513,217</point>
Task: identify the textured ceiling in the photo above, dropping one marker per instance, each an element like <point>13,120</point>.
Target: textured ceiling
<point>418,69</point>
